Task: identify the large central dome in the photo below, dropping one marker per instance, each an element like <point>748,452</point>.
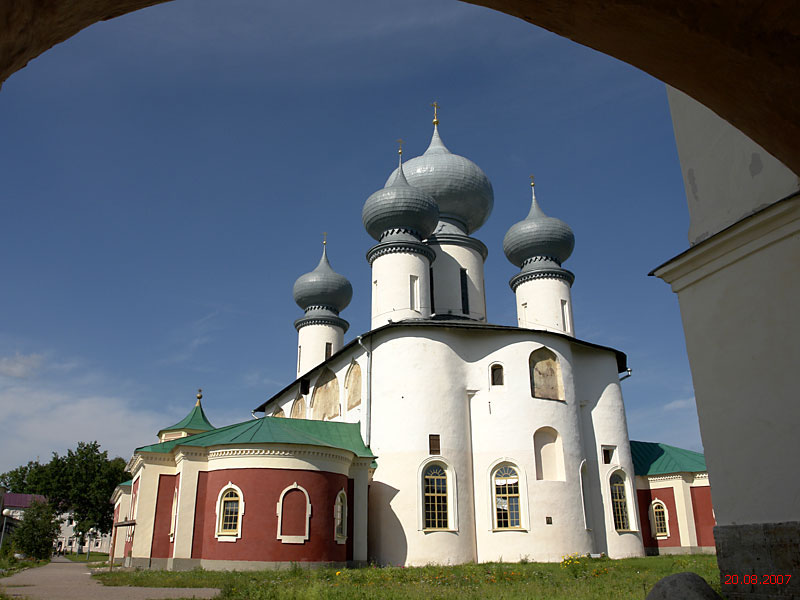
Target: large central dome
<point>461,189</point>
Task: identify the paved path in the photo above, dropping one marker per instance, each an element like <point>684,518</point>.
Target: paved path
<point>63,579</point>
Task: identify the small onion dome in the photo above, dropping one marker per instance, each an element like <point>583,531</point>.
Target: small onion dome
<point>461,189</point>
<point>538,236</point>
<point>323,287</point>
<point>400,208</point>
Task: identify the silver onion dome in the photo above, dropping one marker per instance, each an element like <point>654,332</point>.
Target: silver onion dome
<point>323,287</point>
<point>461,189</point>
<point>538,236</point>
<point>400,209</point>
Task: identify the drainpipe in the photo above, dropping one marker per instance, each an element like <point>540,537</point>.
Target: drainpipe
<point>368,417</point>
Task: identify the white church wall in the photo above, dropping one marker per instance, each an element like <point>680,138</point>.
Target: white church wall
<point>504,420</point>
<point>392,296</point>
<point>450,259</point>
<point>418,390</point>
<point>599,395</point>
<point>545,304</point>
<point>312,341</point>
<point>145,508</point>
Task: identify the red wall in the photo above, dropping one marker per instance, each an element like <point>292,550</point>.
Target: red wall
<point>261,489</point>
<point>703,515</point>
<point>162,548</point>
<point>667,496</point>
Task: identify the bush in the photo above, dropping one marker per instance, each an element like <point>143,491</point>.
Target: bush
<point>35,535</point>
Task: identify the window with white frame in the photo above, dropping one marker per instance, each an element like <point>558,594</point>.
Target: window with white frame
<point>340,518</point>
<point>507,509</point>
<point>496,374</point>
<point>174,516</point>
<point>435,497</point>
<point>230,510</point>
<point>659,522</point>
<point>294,515</point>
<point>619,502</point>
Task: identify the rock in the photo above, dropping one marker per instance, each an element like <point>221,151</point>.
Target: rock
<point>682,586</point>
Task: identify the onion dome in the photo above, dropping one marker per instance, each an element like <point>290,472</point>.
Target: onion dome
<point>400,211</point>
<point>323,287</point>
<point>538,236</point>
<point>460,188</point>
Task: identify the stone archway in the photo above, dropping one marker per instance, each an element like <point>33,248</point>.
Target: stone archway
<point>737,59</point>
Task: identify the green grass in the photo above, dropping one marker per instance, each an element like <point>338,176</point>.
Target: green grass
<point>582,579</point>
<point>93,557</point>
<point>9,566</point>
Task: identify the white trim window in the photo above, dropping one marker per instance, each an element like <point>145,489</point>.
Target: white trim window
<point>659,520</point>
<point>293,538</point>
<point>230,513</point>
<point>619,502</point>
<point>174,516</point>
<point>507,508</point>
<point>437,496</point>
<point>340,518</point>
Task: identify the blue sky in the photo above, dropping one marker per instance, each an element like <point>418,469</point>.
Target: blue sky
<point>167,176</point>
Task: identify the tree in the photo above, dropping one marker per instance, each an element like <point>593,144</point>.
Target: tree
<point>35,535</point>
<point>81,482</point>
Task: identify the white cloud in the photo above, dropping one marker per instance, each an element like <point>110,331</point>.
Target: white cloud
<point>20,366</point>
<point>679,404</point>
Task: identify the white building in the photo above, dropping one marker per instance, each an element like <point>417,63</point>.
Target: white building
<point>492,442</point>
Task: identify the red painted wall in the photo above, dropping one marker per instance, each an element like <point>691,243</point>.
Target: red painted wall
<point>667,496</point>
<point>162,548</point>
<point>261,489</point>
<point>703,515</point>
<point>131,530</point>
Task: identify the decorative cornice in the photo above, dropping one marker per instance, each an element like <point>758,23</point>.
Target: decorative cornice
<point>278,453</point>
<point>322,307</point>
<point>551,273</point>
<point>453,239</point>
<point>401,230</point>
<point>535,259</point>
<point>400,247</point>
<point>322,320</point>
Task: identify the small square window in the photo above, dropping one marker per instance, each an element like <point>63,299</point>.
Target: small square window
<point>434,446</point>
<point>608,454</point>
<point>548,520</point>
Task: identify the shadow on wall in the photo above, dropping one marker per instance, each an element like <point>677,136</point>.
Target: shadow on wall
<point>386,535</point>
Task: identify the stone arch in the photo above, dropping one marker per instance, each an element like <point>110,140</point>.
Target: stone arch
<point>547,447</point>
<point>352,385</point>
<point>325,399</point>
<point>545,371</point>
<point>298,408</point>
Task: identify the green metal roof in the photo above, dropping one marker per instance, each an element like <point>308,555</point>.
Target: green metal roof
<point>275,430</point>
<point>125,483</point>
<point>652,458</point>
<point>196,420</point>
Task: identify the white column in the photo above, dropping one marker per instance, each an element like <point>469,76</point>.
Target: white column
<point>188,467</point>
<point>360,474</point>
<point>312,341</point>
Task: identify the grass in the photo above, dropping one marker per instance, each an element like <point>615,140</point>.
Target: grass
<point>93,557</point>
<point>9,566</point>
<point>575,579</point>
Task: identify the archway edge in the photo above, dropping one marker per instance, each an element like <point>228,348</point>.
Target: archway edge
<point>736,58</point>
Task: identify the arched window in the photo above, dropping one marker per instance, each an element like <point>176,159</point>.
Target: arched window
<point>506,498</point>
<point>496,374</point>
<point>294,514</point>
<point>230,509</point>
<point>549,454</point>
<point>435,497</point>
<point>352,385</point>
<point>545,375</point>
<point>619,502</point>
<point>659,526</point>
<point>340,518</point>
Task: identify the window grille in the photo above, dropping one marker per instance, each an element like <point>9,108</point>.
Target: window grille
<point>229,520</point>
<point>340,516</point>
<point>435,491</point>
<point>506,498</point>
<point>659,519</point>
<point>619,503</point>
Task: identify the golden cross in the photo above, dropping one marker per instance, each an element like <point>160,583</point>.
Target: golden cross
<point>435,106</point>
<point>400,149</point>
<point>324,238</point>
<point>532,182</point>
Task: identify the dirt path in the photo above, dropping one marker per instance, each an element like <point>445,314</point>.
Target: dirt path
<point>65,580</point>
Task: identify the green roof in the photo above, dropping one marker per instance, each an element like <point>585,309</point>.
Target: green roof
<point>652,458</point>
<point>125,483</point>
<point>275,430</point>
<point>196,420</point>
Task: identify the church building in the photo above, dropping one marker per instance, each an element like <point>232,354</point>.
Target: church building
<point>434,437</point>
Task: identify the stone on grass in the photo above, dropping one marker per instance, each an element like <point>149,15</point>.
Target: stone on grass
<point>682,586</point>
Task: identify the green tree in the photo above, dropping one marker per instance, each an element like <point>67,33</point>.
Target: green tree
<point>82,482</point>
<point>35,535</point>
